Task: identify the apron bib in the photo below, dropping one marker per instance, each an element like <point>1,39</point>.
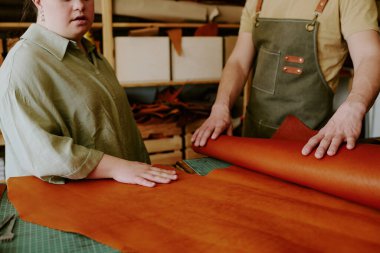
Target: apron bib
<point>287,78</point>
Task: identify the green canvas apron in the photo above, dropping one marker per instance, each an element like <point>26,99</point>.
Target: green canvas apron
<point>287,78</point>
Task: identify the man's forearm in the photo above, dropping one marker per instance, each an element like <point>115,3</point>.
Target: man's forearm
<point>231,85</point>
<point>366,83</point>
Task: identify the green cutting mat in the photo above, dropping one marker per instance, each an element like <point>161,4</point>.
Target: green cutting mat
<point>205,165</point>
<point>31,238</point>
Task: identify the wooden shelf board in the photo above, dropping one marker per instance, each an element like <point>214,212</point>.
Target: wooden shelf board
<point>169,25</point>
<point>170,83</point>
<point>97,25</point>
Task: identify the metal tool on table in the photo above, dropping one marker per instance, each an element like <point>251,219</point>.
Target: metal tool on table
<point>8,224</point>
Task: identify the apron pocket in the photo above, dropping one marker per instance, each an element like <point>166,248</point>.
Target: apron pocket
<point>266,71</point>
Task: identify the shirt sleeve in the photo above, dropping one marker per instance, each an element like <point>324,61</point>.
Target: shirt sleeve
<point>248,16</point>
<point>33,131</point>
<point>358,16</point>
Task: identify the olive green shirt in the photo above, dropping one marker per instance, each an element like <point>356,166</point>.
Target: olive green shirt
<point>62,109</point>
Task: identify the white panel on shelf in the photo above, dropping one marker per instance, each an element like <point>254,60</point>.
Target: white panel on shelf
<point>201,59</point>
<point>142,59</point>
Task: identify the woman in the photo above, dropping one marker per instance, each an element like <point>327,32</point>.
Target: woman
<point>63,113</point>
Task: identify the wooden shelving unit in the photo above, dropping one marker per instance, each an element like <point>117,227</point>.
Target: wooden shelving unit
<point>173,140</point>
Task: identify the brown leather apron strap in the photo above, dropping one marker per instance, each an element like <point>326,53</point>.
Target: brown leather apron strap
<point>259,5</point>
<point>321,6</point>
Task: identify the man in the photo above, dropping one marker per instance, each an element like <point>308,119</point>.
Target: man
<point>297,49</point>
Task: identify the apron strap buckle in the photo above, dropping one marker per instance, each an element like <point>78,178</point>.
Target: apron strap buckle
<point>257,23</point>
<point>310,26</point>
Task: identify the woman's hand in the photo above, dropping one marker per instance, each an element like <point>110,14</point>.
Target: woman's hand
<point>132,172</point>
<point>143,174</point>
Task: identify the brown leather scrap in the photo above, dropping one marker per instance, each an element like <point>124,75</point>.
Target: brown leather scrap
<point>175,36</point>
<point>169,108</point>
<point>209,29</point>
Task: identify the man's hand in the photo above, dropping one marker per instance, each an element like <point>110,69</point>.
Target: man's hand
<point>344,126</point>
<point>215,125</point>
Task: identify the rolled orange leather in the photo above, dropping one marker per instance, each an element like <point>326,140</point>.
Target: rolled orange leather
<point>351,174</point>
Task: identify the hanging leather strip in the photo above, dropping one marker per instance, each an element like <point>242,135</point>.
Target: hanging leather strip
<point>175,36</point>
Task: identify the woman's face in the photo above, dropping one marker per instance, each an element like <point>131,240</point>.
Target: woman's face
<point>69,18</point>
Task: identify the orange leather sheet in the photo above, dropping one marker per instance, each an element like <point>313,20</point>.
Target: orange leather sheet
<point>350,174</point>
<point>229,210</point>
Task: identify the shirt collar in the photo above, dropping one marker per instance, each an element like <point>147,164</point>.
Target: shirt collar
<point>52,42</point>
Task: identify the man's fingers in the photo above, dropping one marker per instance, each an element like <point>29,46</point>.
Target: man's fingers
<point>230,130</point>
<point>217,131</point>
<point>334,145</point>
<point>311,144</point>
<point>205,134</point>
<point>350,142</point>
<point>323,146</point>
<point>195,135</point>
